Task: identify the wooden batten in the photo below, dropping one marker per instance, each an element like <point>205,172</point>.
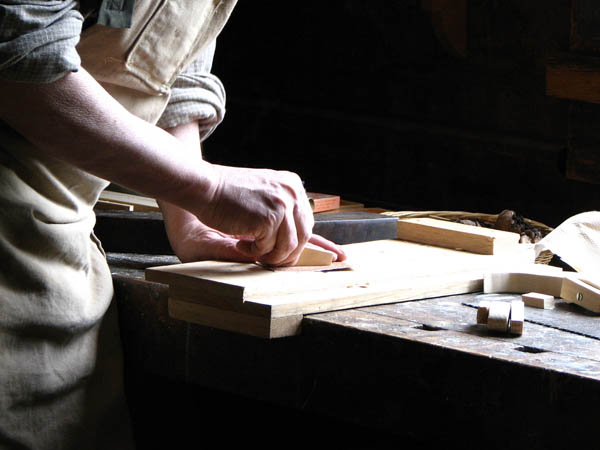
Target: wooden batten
<point>137,202</point>
<point>457,236</point>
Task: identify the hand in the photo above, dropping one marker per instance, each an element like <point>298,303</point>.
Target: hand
<point>270,207</point>
<point>194,241</point>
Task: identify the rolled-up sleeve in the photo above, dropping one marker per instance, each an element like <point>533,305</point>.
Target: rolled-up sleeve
<point>196,95</point>
<point>38,39</point>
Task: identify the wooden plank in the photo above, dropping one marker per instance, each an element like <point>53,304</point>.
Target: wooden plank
<point>382,272</point>
<point>249,324</point>
<point>112,206</point>
<point>139,203</point>
<point>458,236</point>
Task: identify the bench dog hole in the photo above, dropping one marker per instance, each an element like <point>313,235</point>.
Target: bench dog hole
<point>526,349</point>
<point>428,328</point>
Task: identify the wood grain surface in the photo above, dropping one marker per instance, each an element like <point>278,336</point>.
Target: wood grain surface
<point>381,272</point>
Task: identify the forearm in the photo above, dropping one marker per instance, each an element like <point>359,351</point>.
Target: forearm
<point>76,121</point>
<point>177,218</point>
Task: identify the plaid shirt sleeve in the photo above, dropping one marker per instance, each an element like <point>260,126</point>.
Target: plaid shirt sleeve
<point>196,95</point>
<point>38,39</point>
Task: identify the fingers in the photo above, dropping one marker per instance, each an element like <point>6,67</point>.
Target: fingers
<point>292,235</point>
<point>328,245</point>
<point>270,206</point>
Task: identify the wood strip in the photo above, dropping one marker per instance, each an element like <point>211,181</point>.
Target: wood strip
<point>454,235</point>
<point>139,203</point>
<point>252,325</point>
<point>106,205</point>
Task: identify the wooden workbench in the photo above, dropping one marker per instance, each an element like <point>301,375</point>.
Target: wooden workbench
<point>418,373</point>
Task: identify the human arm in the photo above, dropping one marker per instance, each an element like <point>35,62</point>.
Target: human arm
<point>192,240</point>
<point>74,120</point>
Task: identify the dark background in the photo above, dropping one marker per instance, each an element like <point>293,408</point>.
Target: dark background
<point>403,104</point>
<point>413,104</point>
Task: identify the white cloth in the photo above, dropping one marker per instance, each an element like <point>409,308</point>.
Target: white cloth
<point>577,242</point>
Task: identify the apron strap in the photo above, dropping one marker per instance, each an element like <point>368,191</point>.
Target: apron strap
<point>116,13</point>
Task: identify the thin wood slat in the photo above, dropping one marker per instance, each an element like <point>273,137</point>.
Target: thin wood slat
<point>457,236</point>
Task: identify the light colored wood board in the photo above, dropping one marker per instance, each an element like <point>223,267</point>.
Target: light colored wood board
<point>383,272</point>
<point>112,206</point>
<point>580,293</point>
<point>377,263</point>
<point>517,317</point>
<point>535,280</point>
<point>353,295</point>
<point>218,300</point>
<point>498,316</point>
<point>252,325</point>
<point>454,235</point>
<point>374,293</point>
<point>538,300</point>
<point>139,202</point>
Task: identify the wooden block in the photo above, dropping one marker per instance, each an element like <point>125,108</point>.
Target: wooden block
<point>578,291</point>
<point>517,317</point>
<point>498,316</point>
<point>315,256</point>
<point>323,202</point>
<point>139,202</point>
<point>522,282</point>
<point>458,236</point>
<point>537,300</point>
<point>483,309</point>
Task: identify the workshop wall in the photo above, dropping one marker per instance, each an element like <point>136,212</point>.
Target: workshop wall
<point>413,104</point>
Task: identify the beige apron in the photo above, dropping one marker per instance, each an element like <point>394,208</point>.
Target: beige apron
<point>60,357</point>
